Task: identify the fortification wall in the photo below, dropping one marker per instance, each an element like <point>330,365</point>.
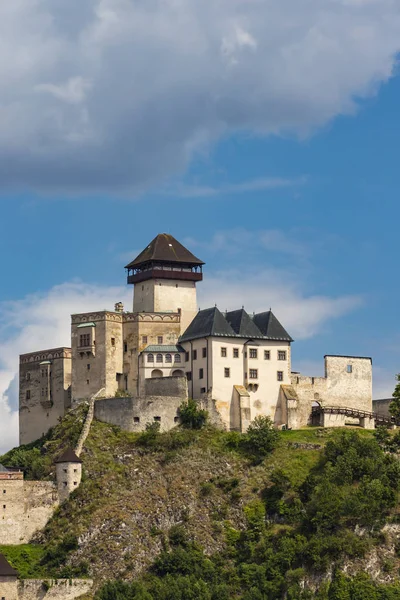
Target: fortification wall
<point>382,406</point>
<point>60,589</point>
<point>25,509</point>
<point>347,383</point>
<point>132,414</point>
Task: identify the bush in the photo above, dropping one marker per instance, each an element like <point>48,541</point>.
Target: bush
<point>261,437</point>
<point>191,416</point>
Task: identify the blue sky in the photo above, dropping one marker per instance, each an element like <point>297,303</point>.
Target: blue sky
<point>269,147</point>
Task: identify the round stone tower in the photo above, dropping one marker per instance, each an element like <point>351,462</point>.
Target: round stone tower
<point>69,473</point>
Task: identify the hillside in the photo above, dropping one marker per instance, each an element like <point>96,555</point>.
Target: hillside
<point>192,514</point>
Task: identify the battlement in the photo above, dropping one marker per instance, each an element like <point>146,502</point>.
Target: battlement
<point>126,317</point>
<point>42,355</point>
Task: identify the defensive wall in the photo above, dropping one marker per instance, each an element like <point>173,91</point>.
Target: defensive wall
<point>162,399</point>
<point>60,589</point>
<point>382,406</point>
<point>26,507</point>
<point>347,382</point>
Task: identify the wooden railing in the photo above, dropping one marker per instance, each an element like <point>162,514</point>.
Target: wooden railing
<point>354,412</point>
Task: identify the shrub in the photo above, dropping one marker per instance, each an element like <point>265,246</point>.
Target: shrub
<point>191,416</point>
<point>261,437</point>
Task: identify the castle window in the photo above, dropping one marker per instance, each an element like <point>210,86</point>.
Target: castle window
<point>75,483</point>
<point>157,419</point>
<point>202,390</point>
<point>176,419</point>
<point>168,358</point>
<point>125,347</point>
<point>194,354</point>
<point>88,367</point>
<point>236,353</point>
<point>4,505</point>
<point>4,491</point>
<point>126,382</point>
<point>189,376</point>
<point>150,358</point>
<point>201,373</point>
<point>227,372</point>
<point>65,483</point>
<point>160,339</point>
<point>187,356</point>
<point>28,377</point>
<point>159,358</point>
<point>349,369</point>
<point>253,373</point>
<point>112,341</point>
<point>267,355</point>
<point>144,339</point>
<point>204,352</point>
<point>65,470</point>
<point>75,470</point>
<point>253,352</point>
<point>223,352</point>
<point>28,394</point>
<point>177,358</point>
<point>279,375</point>
<point>281,355</point>
<point>84,340</point>
<point>136,419</point>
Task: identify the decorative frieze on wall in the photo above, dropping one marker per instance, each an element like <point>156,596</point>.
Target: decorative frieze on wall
<point>125,317</point>
<point>45,355</point>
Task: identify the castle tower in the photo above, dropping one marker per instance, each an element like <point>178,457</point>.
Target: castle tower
<point>8,580</point>
<point>68,473</point>
<point>164,276</point>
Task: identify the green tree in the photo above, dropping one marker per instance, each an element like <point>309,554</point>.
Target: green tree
<point>191,416</point>
<point>261,437</point>
<point>394,406</point>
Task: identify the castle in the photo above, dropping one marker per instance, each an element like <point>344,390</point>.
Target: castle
<point>140,365</point>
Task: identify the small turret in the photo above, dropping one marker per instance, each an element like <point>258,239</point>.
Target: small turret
<point>8,580</point>
<point>69,473</point>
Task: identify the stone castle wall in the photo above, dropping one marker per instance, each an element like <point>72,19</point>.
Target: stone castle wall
<point>60,589</point>
<point>26,507</point>
<point>340,387</point>
<point>161,404</point>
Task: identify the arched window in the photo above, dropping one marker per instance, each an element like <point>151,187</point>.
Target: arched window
<point>177,358</point>
<point>150,358</point>
<point>159,358</point>
<point>168,358</point>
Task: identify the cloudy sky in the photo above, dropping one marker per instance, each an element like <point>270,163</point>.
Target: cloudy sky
<point>263,134</point>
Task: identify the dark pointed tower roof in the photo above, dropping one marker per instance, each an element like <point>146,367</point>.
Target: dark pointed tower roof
<point>165,249</point>
<point>68,456</point>
<point>6,569</point>
<point>242,324</point>
<point>208,322</point>
<point>270,327</point>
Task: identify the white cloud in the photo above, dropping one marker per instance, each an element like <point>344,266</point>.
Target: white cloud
<point>301,314</point>
<point>252,185</point>
<point>121,93</point>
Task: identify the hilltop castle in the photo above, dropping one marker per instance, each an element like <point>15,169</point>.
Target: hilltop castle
<point>140,365</point>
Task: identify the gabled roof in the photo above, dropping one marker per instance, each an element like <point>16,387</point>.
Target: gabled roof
<point>159,348</point>
<point>242,324</point>
<point>165,248</point>
<point>270,327</point>
<point>69,456</point>
<point>208,322</point>
<point>235,324</point>
<point>3,469</point>
<point>6,569</point>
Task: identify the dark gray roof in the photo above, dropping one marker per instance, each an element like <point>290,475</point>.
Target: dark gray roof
<point>3,469</point>
<point>270,327</point>
<point>164,348</point>
<point>165,248</point>
<point>69,456</point>
<point>6,569</point>
<point>207,323</point>
<point>242,324</point>
<point>237,323</point>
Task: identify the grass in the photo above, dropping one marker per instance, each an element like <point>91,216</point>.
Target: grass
<point>26,560</point>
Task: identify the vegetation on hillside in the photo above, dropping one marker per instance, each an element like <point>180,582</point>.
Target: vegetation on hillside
<point>205,514</point>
